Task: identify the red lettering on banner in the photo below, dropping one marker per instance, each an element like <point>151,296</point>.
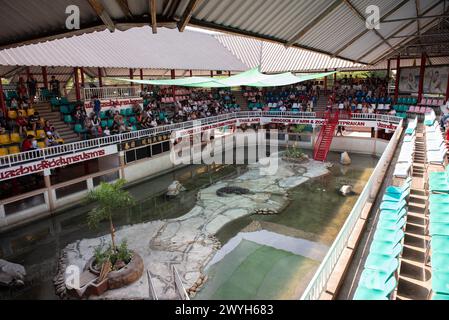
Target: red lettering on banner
<point>50,164</point>
<point>381,125</point>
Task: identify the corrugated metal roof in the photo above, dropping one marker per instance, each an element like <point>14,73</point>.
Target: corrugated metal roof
<point>277,58</point>
<point>134,48</point>
<point>275,20</point>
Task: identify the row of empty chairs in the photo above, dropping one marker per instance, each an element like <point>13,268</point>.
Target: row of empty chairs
<point>438,230</point>
<point>379,278</point>
<point>404,163</point>
<point>431,102</point>
<point>436,146</point>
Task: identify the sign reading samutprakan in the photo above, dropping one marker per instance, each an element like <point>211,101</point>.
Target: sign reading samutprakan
<point>59,161</point>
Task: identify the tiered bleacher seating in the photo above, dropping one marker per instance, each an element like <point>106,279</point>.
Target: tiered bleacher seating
<point>378,280</point>
<point>436,146</point>
<point>438,230</point>
<point>405,160</point>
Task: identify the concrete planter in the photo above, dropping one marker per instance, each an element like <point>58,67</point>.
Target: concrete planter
<point>123,277</point>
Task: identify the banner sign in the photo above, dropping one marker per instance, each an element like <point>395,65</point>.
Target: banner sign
<point>125,146</point>
<point>61,161</point>
<point>435,80</point>
<point>409,80</point>
<point>119,103</point>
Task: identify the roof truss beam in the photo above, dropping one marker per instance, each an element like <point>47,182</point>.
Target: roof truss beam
<point>187,15</point>
<point>313,23</point>
<point>395,48</point>
<point>125,8</point>
<point>362,17</point>
<point>382,19</point>
<point>102,14</point>
<point>153,12</point>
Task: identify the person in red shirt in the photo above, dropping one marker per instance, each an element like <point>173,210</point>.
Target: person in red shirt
<point>27,144</point>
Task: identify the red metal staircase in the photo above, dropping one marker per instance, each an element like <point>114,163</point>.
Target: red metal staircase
<point>325,136</point>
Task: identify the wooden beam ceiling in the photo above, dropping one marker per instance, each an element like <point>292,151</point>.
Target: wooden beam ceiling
<point>102,14</point>
<point>187,15</point>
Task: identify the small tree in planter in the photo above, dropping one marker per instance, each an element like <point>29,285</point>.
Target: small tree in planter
<point>110,198</point>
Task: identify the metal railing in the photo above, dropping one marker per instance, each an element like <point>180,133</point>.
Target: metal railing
<point>111,92</point>
<point>179,285</point>
<point>42,154</point>
<point>318,283</point>
<point>151,290</point>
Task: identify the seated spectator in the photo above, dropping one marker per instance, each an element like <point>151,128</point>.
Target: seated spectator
<point>27,143</point>
<point>34,120</point>
<point>112,110</point>
<point>50,141</point>
<point>106,132</point>
<point>49,127</point>
<point>115,128</point>
<point>22,123</point>
<point>14,104</point>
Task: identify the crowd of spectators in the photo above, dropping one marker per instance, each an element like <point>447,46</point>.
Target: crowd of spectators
<point>197,104</point>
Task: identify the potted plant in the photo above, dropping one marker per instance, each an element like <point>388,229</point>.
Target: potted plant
<point>110,198</point>
<point>116,264</point>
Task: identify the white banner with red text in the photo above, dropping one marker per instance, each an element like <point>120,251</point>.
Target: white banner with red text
<point>61,161</point>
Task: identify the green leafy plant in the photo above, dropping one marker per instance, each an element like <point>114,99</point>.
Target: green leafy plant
<point>298,128</point>
<point>121,256</point>
<point>294,152</point>
<point>111,198</point>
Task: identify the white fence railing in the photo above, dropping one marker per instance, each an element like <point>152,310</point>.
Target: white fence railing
<point>322,275</point>
<point>111,92</point>
<point>14,159</point>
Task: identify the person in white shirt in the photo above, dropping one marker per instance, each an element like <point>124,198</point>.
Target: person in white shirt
<point>106,132</point>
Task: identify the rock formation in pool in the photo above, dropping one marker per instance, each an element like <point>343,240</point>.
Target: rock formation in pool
<point>232,190</point>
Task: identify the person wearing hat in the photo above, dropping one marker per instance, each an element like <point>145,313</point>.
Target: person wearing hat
<point>49,140</point>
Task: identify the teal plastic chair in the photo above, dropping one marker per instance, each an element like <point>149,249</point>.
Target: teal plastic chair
<point>104,123</point>
<point>110,123</point>
<point>129,112</point>
<point>54,102</point>
<point>387,205</point>
<point>123,112</point>
<point>68,119</point>
<point>390,249</point>
<point>79,129</point>
<point>440,296</point>
<point>439,217</point>
<point>64,110</point>
<point>392,215</point>
<point>395,197</point>
<point>440,244</point>
<point>439,186</point>
<point>391,224</point>
<point>440,282</point>
<point>394,236</point>
<point>439,197</point>
<point>132,120</point>
<point>401,189</point>
<point>381,262</point>
<point>372,289</point>
<point>103,115</point>
<point>437,229</point>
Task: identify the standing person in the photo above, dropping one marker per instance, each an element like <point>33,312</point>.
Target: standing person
<point>54,86</point>
<point>21,89</point>
<point>97,106</point>
<point>32,88</point>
